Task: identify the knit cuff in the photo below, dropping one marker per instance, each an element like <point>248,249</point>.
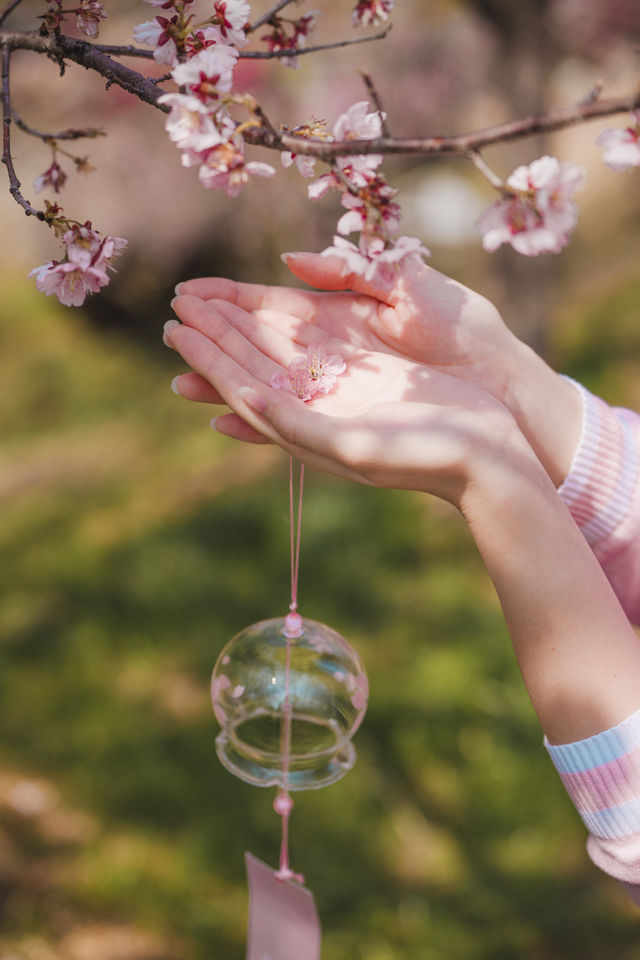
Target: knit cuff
<point>602,776</point>
<point>599,486</point>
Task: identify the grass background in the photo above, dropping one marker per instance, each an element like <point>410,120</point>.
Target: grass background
<point>133,545</point>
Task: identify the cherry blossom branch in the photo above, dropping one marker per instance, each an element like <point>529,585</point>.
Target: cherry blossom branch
<point>128,50</point>
<point>269,15</point>
<point>373,93</point>
<point>485,170</point>
<point>300,51</point>
<point>70,134</point>
<point>87,55</point>
<point>4,13</point>
<point>14,182</point>
<point>462,145</point>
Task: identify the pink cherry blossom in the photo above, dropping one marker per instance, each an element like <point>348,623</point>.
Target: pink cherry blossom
<point>232,16</point>
<point>189,124</point>
<point>225,167</point>
<point>88,17</point>
<point>201,40</point>
<point>376,260</point>
<point>306,165</point>
<point>537,214</point>
<point>372,12</point>
<point>372,210</point>
<point>84,269</point>
<point>54,176</point>
<point>622,146</point>
<point>208,72</point>
<point>357,124</point>
<point>313,373</point>
<point>290,35</point>
<point>158,34</point>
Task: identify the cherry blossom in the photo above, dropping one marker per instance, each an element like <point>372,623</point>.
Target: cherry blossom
<point>359,170</point>
<point>200,40</point>
<point>373,259</point>
<point>537,214</point>
<point>358,124</point>
<point>208,72</point>
<point>189,124</point>
<point>306,165</point>
<point>372,12</point>
<point>622,146</point>
<point>280,39</point>
<point>225,167</point>
<point>313,373</point>
<point>372,210</point>
<point>88,17</point>
<point>231,16</point>
<point>88,256</point>
<point>54,176</point>
<point>158,33</point>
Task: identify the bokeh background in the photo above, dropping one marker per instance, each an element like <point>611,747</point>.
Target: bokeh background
<point>134,542</point>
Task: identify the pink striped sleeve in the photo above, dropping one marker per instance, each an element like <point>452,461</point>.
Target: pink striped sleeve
<point>602,493</point>
<point>602,776</point>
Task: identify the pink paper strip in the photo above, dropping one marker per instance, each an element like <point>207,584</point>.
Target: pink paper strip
<point>283,920</point>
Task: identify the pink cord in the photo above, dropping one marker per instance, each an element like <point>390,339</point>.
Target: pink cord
<point>295,536</point>
<point>283,804</point>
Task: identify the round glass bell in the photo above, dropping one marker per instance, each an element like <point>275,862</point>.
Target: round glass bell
<point>289,694</point>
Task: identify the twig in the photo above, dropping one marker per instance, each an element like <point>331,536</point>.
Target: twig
<point>484,169</point>
<point>87,55</point>
<point>123,51</point>
<point>70,134</point>
<point>373,93</point>
<point>460,145</point>
<point>14,182</point>
<point>4,13</point>
<point>266,17</point>
<point>299,51</point>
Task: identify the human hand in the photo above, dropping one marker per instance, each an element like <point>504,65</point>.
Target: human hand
<point>388,421</point>
<point>425,316</point>
<point>428,318</point>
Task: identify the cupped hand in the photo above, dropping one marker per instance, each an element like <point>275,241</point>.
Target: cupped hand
<point>424,315</point>
<point>387,422</point>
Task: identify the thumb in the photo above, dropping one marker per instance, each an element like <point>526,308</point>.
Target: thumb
<point>332,273</point>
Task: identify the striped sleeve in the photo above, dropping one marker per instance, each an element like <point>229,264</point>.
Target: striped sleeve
<point>602,493</point>
<point>602,776</point>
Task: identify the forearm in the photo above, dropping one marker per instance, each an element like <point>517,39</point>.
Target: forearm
<point>546,407</point>
<point>579,656</point>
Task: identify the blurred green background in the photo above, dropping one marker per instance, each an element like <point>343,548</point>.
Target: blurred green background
<point>134,543</point>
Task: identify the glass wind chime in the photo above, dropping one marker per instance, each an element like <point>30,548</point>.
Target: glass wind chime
<point>289,693</point>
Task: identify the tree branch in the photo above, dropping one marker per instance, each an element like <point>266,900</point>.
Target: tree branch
<point>70,134</point>
<point>458,145</point>
<point>4,13</point>
<point>300,51</point>
<point>266,17</point>
<point>89,56</point>
<point>14,182</point>
<point>377,102</point>
<point>123,51</point>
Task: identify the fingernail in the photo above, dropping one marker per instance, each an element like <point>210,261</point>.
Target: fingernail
<point>166,332</point>
<point>286,257</point>
<point>174,384</point>
<point>212,423</point>
<point>178,289</point>
<point>172,302</point>
<point>252,399</point>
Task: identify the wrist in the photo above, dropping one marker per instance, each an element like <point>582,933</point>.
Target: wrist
<point>547,408</point>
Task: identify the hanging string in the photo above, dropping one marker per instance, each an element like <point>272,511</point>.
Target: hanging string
<point>295,531</point>
<point>283,804</point>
